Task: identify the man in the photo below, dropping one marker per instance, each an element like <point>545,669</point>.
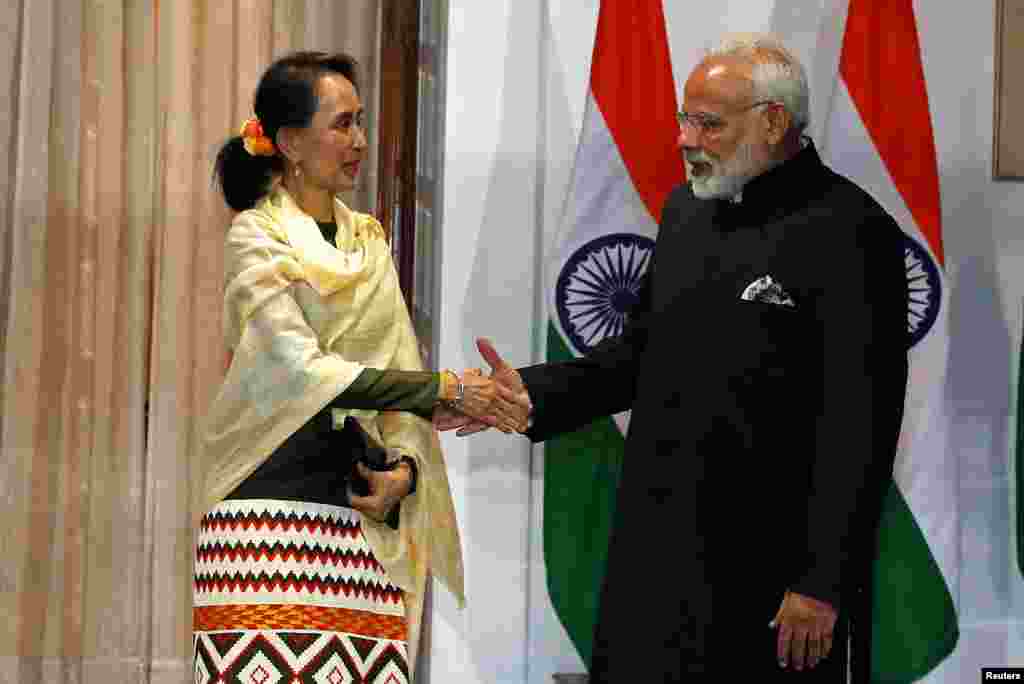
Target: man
<point>765,366</point>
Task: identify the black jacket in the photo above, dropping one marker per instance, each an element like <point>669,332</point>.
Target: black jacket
<point>762,435</point>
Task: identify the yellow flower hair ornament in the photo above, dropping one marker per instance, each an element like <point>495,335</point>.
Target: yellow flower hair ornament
<point>256,144</point>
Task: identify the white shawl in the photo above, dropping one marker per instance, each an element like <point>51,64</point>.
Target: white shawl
<point>303,319</point>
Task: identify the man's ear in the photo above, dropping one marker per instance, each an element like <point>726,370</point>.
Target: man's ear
<point>288,143</point>
<point>777,122</point>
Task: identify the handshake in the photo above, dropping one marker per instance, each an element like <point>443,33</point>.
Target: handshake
<point>499,400</point>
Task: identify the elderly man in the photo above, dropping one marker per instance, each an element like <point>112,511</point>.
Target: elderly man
<point>765,366</point>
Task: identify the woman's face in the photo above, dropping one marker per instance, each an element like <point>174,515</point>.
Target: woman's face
<point>332,148</point>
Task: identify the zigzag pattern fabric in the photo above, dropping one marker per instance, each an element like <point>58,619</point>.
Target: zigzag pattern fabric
<point>289,591</point>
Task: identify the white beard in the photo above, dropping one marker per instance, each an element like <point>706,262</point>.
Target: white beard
<point>727,178</point>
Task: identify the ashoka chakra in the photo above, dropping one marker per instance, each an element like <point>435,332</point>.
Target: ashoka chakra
<point>598,287</point>
<point>924,290</point>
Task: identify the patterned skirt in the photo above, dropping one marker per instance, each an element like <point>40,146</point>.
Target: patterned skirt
<point>289,591</point>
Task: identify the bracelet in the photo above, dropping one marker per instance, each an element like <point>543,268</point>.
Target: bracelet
<point>460,391</point>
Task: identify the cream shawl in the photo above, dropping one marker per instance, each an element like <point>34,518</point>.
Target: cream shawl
<point>303,319</point>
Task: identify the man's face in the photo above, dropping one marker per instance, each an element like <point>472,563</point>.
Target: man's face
<point>723,141</point>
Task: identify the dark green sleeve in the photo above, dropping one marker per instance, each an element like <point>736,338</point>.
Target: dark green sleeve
<point>391,390</point>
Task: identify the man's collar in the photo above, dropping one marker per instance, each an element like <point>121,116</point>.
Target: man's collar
<point>782,180</point>
<point>805,141</point>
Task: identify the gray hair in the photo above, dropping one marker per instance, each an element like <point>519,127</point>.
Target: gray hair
<point>778,75</point>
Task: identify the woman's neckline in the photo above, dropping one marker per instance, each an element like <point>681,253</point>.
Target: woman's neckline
<point>329,229</point>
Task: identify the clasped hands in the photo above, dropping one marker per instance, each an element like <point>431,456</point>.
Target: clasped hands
<point>499,400</point>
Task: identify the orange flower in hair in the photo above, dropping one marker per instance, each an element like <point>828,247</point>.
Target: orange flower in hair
<point>255,142</point>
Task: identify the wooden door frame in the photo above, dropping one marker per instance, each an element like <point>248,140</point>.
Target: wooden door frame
<point>396,162</point>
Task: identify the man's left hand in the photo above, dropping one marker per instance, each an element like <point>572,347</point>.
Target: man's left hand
<point>805,627</point>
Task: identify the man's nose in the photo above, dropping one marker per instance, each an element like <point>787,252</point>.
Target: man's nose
<point>688,136</point>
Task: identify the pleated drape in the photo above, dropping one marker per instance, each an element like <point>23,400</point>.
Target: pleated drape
<point>111,240</point>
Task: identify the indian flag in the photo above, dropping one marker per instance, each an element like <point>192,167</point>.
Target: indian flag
<point>879,134</point>
<point>626,164</point>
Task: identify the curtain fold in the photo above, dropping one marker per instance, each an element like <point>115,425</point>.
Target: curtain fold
<point>111,238</point>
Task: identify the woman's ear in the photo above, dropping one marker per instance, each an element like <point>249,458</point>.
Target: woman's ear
<point>289,143</point>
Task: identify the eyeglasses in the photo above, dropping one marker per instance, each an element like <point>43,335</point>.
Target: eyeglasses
<point>710,124</point>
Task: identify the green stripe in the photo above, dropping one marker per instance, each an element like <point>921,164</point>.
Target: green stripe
<point>581,476</point>
<point>914,618</point>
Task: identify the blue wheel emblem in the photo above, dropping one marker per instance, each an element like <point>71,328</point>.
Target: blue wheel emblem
<point>924,290</point>
<point>598,287</point>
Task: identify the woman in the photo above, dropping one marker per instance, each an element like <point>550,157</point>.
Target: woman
<point>327,500</point>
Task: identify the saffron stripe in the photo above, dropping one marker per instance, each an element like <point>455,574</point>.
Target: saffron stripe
<point>881,65</point>
<point>631,80</point>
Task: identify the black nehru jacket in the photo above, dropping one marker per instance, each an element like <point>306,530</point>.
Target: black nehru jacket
<point>762,435</point>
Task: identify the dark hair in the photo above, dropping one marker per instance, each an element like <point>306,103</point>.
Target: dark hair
<point>285,96</point>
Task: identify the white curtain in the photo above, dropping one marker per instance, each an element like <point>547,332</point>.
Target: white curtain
<point>110,297</point>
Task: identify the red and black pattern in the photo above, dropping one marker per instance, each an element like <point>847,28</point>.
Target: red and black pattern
<point>293,657</point>
<point>290,591</point>
<point>277,582</point>
<point>279,520</point>
<point>313,554</point>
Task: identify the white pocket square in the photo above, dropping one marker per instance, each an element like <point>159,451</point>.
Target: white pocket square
<point>766,289</point>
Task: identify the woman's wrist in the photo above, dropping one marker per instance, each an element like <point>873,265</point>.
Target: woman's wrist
<point>444,384</point>
<point>451,390</point>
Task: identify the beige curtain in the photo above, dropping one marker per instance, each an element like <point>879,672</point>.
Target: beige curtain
<point>110,299</point>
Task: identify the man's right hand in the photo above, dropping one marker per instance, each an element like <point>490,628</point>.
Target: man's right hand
<point>511,391</point>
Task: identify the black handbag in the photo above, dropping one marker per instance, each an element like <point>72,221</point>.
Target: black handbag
<point>366,450</point>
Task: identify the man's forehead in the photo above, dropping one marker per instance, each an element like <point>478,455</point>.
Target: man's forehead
<point>717,70</point>
<point>721,79</point>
